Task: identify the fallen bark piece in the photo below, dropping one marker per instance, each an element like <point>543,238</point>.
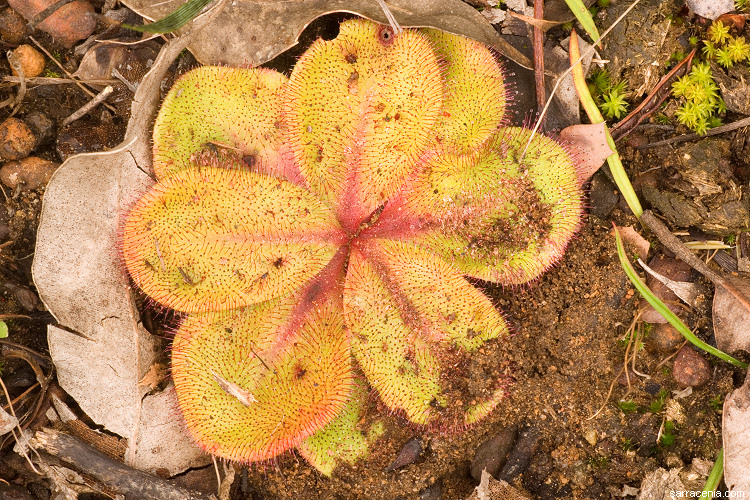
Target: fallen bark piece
<point>117,476</point>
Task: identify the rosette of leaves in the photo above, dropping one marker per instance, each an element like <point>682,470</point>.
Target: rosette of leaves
<point>317,233</point>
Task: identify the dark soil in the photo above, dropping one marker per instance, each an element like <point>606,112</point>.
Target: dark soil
<point>571,426</point>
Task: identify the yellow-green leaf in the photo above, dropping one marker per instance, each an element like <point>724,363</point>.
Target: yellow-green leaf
<point>211,238</point>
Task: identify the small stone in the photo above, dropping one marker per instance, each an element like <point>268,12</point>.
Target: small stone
<point>432,492</point>
<point>590,436</point>
<point>41,124</point>
<point>628,378</point>
<point>409,454</point>
<point>32,61</point>
<point>520,457</point>
<point>16,139</point>
<point>13,28</point>
<point>652,388</point>
<point>664,338</point>
<point>603,196</point>
<point>690,368</point>
<point>491,454</point>
<point>29,173</point>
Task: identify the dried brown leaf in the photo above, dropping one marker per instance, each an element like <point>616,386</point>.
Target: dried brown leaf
<point>590,144</point>
<point>731,320</point>
<point>736,437</point>
<point>250,33</point>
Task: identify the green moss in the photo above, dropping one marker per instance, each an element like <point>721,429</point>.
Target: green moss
<point>628,406</point>
<point>700,99</point>
<point>611,98</point>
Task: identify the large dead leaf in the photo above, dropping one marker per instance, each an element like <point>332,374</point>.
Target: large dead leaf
<point>249,33</point>
<point>736,436</point>
<point>102,351</point>
<point>731,319</point>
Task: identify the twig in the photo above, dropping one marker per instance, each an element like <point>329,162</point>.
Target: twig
<point>15,63</point>
<point>98,99</point>
<point>609,393</point>
<point>20,429</point>
<point>391,19</point>
<point>59,64</point>
<point>729,127</point>
<point>21,396</point>
<point>131,86</point>
<point>683,253</point>
<point>39,18</point>
<point>538,43</point>
<point>44,80</point>
<point>651,103</point>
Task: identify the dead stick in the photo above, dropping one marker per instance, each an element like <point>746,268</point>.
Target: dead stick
<point>729,127</point>
<point>683,253</point>
<point>98,99</point>
<point>43,80</point>
<point>113,474</point>
<point>538,43</point>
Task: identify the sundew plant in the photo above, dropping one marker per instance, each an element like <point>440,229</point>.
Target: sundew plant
<point>316,233</point>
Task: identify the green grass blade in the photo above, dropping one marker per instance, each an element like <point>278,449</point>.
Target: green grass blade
<point>595,116</point>
<point>584,17</point>
<point>714,477</point>
<point>662,309</point>
<point>3,330</point>
<point>175,20</point>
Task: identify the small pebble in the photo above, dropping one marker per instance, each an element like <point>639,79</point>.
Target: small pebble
<point>590,435</point>
<point>29,173</point>
<point>32,61</point>
<point>16,139</point>
<point>409,454</point>
<point>664,338</point>
<point>13,28</point>
<point>690,368</point>
<point>491,454</point>
<point>628,379</point>
<point>652,388</point>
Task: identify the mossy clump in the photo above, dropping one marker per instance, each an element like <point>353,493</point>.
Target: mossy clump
<point>317,233</point>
